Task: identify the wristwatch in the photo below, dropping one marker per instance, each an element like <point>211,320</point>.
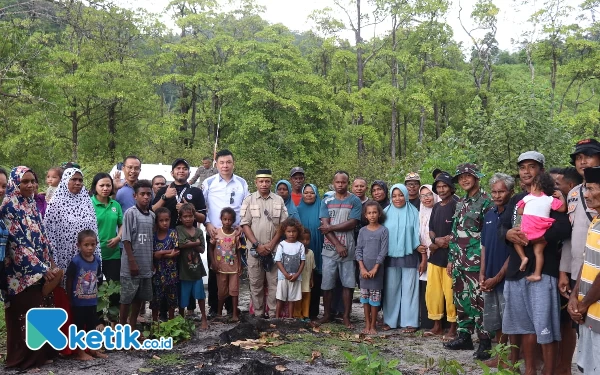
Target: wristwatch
<point>256,244</point>
<point>163,197</point>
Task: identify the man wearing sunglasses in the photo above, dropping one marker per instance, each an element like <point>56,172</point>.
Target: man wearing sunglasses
<point>261,213</point>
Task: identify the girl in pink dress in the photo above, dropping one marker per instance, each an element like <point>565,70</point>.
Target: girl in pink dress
<point>535,210</point>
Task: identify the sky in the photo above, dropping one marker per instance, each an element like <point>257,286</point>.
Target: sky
<point>512,20</point>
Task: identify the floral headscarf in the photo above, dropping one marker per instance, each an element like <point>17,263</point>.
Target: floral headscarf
<point>29,251</point>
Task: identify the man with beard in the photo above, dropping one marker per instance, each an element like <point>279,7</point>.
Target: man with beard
<point>175,195</point>
<point>180,192</point>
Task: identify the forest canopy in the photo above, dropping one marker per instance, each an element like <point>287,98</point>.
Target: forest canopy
<point>92,82</point>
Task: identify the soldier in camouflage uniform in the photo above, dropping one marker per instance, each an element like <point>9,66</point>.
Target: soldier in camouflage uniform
<point>464,260</point>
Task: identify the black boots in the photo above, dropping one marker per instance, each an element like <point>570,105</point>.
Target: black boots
<point>461,342</point>
<point>483,351</point>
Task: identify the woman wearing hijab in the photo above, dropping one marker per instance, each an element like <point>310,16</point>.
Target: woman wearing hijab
<point>379,193</point>
<point>70,212</point>
<point>29,265</point>
<point>428,199</point>
<point>309,208</point>
<point>284,190</point>
<point>401,284</point>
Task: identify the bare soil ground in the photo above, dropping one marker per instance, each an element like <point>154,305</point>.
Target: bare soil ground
<point>275,347</point>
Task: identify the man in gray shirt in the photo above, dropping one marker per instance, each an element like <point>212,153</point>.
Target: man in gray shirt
<point>203,172</point>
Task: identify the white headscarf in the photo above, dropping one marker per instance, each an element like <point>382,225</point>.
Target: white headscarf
<point>66,216</point>
<point>424,216</point>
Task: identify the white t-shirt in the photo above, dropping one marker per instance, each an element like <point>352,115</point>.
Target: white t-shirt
<point>540,206</point>
<point>290,254</point>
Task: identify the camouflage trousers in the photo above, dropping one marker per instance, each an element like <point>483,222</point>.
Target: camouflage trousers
<point>468,300</point>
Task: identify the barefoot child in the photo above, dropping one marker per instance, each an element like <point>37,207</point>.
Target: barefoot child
<point>371,250</point>
<point>301,308</point>
<point>535,210</point>
<point>191,269</point>
<point>166,277</point>
<point>84,273</point>
<point>52,180</point>
<point>136,258</point>
<point>290,257</point>
<point>225,260</point>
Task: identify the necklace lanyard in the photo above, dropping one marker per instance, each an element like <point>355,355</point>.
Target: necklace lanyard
<point>180,196</point>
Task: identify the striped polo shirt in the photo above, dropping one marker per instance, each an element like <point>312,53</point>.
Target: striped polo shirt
<point>591,268</point>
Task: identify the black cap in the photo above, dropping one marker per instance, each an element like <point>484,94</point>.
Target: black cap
<point>592,174</point>
<point>180,161</point>
<point>296,170</point>
<point>445,178</point>
<point>436,172</point>
<point>588,147</point>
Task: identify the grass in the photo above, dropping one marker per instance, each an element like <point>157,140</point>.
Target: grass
<point>331,345</point>
<point>169,359</point>
<point>2,329</point>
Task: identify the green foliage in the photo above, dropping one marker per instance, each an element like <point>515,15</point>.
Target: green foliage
<point>450,367</point>
<point>505,366</point>
<point>370,363</point>
<point>93,82</point>
<point>107,289</point>
<point>179,328</point>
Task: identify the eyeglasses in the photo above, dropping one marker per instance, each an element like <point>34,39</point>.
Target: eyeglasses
<point>231,198</point>
<point>268,215</point>
<point>428,195</point>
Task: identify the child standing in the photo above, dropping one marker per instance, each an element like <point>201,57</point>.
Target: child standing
<point>165,278</point>
<point>84,273</point>
<point>225,258</point>
<point>136,258</point>
<point>53,177</point>
<point>191,269</point>
<point>535,210</point>
<point>371,250</point>
<point>290,258</point>
<point>301,308</point>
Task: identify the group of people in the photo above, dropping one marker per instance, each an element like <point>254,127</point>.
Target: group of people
<point>516,267</point>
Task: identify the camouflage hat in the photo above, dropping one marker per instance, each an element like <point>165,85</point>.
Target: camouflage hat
<point>412,176</point>
<point>469,168</point>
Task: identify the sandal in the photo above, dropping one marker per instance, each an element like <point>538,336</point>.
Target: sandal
<point>409,330</point>
<point>430,334</point>
<point>386,327</point>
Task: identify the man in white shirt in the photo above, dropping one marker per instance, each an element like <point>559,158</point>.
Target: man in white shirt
<point>224,189</point>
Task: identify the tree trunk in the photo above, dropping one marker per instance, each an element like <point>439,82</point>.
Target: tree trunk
<point>393,128</point>
<point>112,130</point>
<point>193,123</point>
<point>74,134</point>
<point>436,118</point>
<point>405,132</point>
<point>422,125</point>
<point>360,66</point>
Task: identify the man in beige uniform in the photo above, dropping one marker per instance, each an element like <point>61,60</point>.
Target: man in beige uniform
<point>261,213</point>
